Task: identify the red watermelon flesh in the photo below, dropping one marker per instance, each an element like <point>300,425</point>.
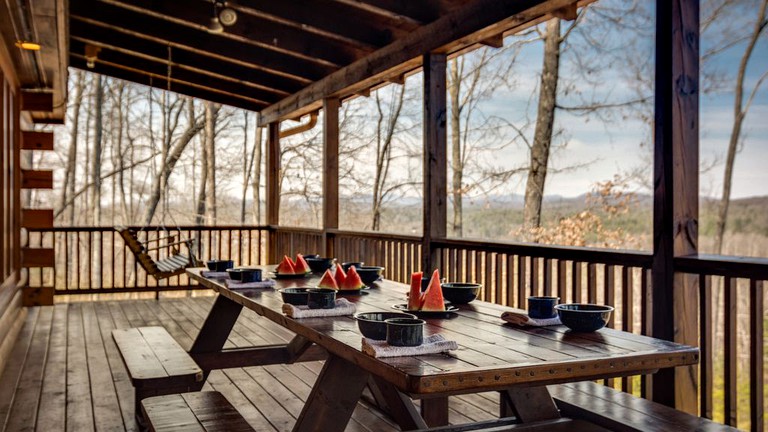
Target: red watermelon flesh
<point>414,295</point>
<point>352,280</point>
<point>340,276</point>
<point>328,281</point>
<point>301,265</point>
<point>286,266</point>
<point>432,299</point>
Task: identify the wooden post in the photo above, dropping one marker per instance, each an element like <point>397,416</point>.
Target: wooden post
<point>435,160</point>
<point>676,192</point>
<point>330,171</point>
<point>273,188</point>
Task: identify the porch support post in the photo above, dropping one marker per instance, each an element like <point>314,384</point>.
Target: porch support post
<point>273,188</point>
<point>435,164</point>
<point>330,171</point>
<point>676,193</point>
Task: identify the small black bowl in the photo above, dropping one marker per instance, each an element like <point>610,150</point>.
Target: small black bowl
<point>460,292</point>
<point>370,274</point>
<point>372,325</point>
<point>218,265</point>
<point>295,296</point>
<point>542,307</point>
<point>321,298</point>
<point>345,266</point>
<point>584,317</point>
<point>405,331</point>
<point>245,274</point>
<point>319,265</point>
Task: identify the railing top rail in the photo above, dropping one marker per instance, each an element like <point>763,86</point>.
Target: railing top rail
<point>152,228</point>
<point>719,265</point>
<point>376,235</point>
<point>297,230</point>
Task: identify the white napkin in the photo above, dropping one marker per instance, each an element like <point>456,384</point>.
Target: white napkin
<point>214,274</point>
<point>432,345</point>
<point>343,307</point>
<point>522,319</point>
<point>233,284</point>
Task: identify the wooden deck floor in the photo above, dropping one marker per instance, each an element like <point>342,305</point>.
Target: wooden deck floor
<point>65,372</point>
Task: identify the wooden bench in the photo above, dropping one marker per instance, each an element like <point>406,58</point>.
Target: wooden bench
<point>508,424</point>
<point>200,411</point>
<point>156,363</point>
<point>619,411</point>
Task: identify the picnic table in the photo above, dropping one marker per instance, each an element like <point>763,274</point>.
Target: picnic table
<point>492,356</point>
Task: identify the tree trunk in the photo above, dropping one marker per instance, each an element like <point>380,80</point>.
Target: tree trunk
<point>457,171</point>
<point>98,135</point>
<point>384,134</point>
<point>70,174</point>
<point>739,112</point>
<point>256,182</point>
<point>246,168</point>
<point>211,114</point>
<point>542,138</point>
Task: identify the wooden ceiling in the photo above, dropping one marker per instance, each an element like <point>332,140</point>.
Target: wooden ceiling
<point>282,57</point>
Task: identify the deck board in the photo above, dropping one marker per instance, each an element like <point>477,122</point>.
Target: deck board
<point>65,372</point>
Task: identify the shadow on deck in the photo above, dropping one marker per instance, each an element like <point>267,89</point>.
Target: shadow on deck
<point>65,372</point>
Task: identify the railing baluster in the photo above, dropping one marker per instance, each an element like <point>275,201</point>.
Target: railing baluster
<point>521,280</point>
<point>547,276</point>
<point>756,359</point>
<point>576,281</point>
<point>731,358</point>
<point>534,274</point>
<point>592,283</point>
<point>627,316</point>
<point>705,344</point>
<point>562,280</point>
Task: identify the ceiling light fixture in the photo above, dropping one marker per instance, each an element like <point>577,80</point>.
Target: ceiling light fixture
<point>227,16</point>
<point>28,45</point>
<point>222,16</point>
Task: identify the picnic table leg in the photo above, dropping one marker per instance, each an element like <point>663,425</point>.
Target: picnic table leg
<point>216,328</point>
<point>397,404</point>
<point>435,411</point>
<point>333,397</point>
<point>528,404</point>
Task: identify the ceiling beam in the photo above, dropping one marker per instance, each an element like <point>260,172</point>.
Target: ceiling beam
<point>106,38</point>
<point>128,74</point>
<point>176,35</point>
<point>252,30</point>
<point>155,68</point>
<point>467,26</point>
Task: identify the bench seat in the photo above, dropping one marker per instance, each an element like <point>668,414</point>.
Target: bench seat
<point>200,411</point>
<point>508,424</point>
<point>619,411</point>
<point>156,363</point>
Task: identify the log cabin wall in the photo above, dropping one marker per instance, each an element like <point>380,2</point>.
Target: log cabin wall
<point>11,313</point>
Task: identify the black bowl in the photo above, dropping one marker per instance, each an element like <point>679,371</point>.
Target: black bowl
<point>347,265</point>
<point>370,274</point>
<point>295,296</point>
<point>584,317</point>
<point>460,292</point>
<point>319,265</point>
<point>312,256</point>
<point>372,325</point>
<point>218,265</point>
<point>245,274</point>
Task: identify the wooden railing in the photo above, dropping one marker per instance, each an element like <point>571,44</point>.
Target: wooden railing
<point>731,309</point>
<point>96,260</point>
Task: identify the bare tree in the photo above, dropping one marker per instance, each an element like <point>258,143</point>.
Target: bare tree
<point>256,181</point>
<point>740,110</point>
<point>70,172</point>
<point>385,129</point>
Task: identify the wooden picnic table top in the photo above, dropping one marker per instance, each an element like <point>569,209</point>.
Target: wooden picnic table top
<point>492,354</point>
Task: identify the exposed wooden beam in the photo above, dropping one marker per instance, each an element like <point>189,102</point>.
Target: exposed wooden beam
<point>676,193</point>
<point>158,69</point>
<point>251,30</point>
<point>273,167</point>
<point>31,140</point>
<point>330,170</point>
<point>113,39</point>
<point>158,81</point>
<point>198,40</point>
<point>568,13</point>
<point>464,27</point>
<point>496,41</point>
<point>435,159</point>
<point>33,100</point>
<point>413,12</point>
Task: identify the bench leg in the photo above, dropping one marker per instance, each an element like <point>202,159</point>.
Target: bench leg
<point>395,403</point>
<point>333,397</point>
<point>528,404</point>
<point>435,411</point>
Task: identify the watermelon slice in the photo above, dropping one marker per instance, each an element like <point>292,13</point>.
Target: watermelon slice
<point>352,280</point>
<point>340,276</point>
<point>414,296</point>
<point>286,266</point>
<point>432,299</point>
<point>328,281</point>
<point>301,266</point>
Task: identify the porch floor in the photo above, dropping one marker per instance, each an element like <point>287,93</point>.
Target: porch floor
<point>65,372</point>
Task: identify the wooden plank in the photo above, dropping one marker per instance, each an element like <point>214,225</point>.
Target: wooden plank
<point>435,158</point>
<point>38,257</point>
<point>31,140</point>
<point>37,218</point>
<point>491,16</point>
<point>79,405</point>
<point>36,179</point>
<point>676,191</point>
<point>32,100</point>
<point>15,364</point>
<point>330,169</point>
<point>53,404</point>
